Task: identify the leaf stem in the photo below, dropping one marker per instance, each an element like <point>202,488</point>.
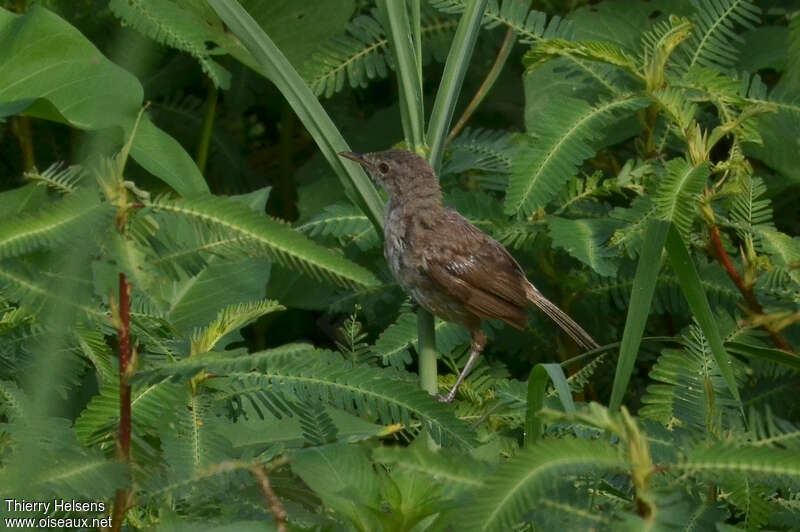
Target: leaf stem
<point>746,290</point>
<point>271,501</point>
<point>486,86</point>
<point>208,126</point>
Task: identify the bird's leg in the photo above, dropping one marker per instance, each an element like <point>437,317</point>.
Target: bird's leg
<point>478,343</point>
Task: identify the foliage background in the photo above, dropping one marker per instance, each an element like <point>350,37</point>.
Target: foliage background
<point>638,158</point>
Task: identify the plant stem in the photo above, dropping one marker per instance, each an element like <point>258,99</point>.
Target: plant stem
<point>208,126</point>
<point>486,86</point>
<point>416,28</point>
<point>401,35</point>
<point>122,499</point>
<point>271,501</point>
<point>427,351</point>
<point>455,68</point>
<point>746,291</point>
<point>21,127</point>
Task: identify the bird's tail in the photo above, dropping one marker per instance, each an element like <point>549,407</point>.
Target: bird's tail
<point>559,316</point>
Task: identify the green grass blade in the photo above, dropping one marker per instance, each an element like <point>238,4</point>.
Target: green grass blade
<point>644,284</point>
<point>778,356</point>
<point>453,77</point>
<point>401,36</point>
<point>280,71</point>
<point>537,384</point>
<point>698,302</point>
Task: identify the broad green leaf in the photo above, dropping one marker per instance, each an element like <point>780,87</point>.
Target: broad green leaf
<point>59,75</point>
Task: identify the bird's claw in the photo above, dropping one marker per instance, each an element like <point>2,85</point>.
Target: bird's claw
<point>443,398</point>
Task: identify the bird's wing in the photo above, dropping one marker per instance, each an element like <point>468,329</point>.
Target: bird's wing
<point>477,271</point>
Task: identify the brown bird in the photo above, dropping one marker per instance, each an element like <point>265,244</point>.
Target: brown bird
<point>449,266</point>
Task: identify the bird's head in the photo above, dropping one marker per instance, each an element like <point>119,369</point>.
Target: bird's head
<point>400,172</point>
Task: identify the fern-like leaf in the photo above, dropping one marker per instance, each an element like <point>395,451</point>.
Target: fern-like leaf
<point>714,43</point>
<point>170,24</point>
<point>228,320</point>
<point>269,236</point>
<point>65,219</point>
<point>361,53</point>
<point>480,150</point>
<point>64,180</point>
<point>366,391</point>
<point>196,440</point>
<point>768,466</point>
<point>530,25</point>
<point>676,197</point>
<point>345,222</point>
<point>750,212</point>
<point>585,240</point>
<point>517,485</point>
<point>559,143</point>
<point>690,389</point>
<point>601,51</point>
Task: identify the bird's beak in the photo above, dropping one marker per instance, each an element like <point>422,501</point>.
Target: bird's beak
<point>357,157</point>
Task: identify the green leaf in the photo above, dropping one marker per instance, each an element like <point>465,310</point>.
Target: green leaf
<point>537,384</point>
<point>560,141</point>
<point>277,68</point>
<point>297,27</point>
<point>51,71</point>
<point>455,68</point>
<point>644,285</point>
<point>409,82</point>
<point>714,42</point>
<point>196,300</point>
<point>765,463</point>
<point>517,485</point>
<point>56,223</point>
<point>590,50</point>
<point>376,393</point>
<point>676,197</point>
<point>698,302</point>
<point>361,53</point>
<point>355,493</point>
<point>584,240</point>
<point>168,23</point>
<point>271,237</point>
<point>228,320</point>
<point>778,356</point>
<point>456,471</point>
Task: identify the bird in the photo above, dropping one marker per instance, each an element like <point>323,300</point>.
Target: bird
<point>446,264</point>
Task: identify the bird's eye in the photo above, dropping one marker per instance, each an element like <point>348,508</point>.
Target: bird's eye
<point>383,168</point>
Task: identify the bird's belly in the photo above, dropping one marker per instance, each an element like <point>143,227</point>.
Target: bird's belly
<point>421,288</point>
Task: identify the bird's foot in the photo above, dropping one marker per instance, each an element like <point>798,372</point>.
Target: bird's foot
<point>444,398</point>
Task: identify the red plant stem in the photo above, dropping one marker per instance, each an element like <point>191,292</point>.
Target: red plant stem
<point>747,291</point>
<point>124,362</point>
<point>271,501</point>
<point>122,499</point>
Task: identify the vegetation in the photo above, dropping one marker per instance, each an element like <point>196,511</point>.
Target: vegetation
<point>212,341</point>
